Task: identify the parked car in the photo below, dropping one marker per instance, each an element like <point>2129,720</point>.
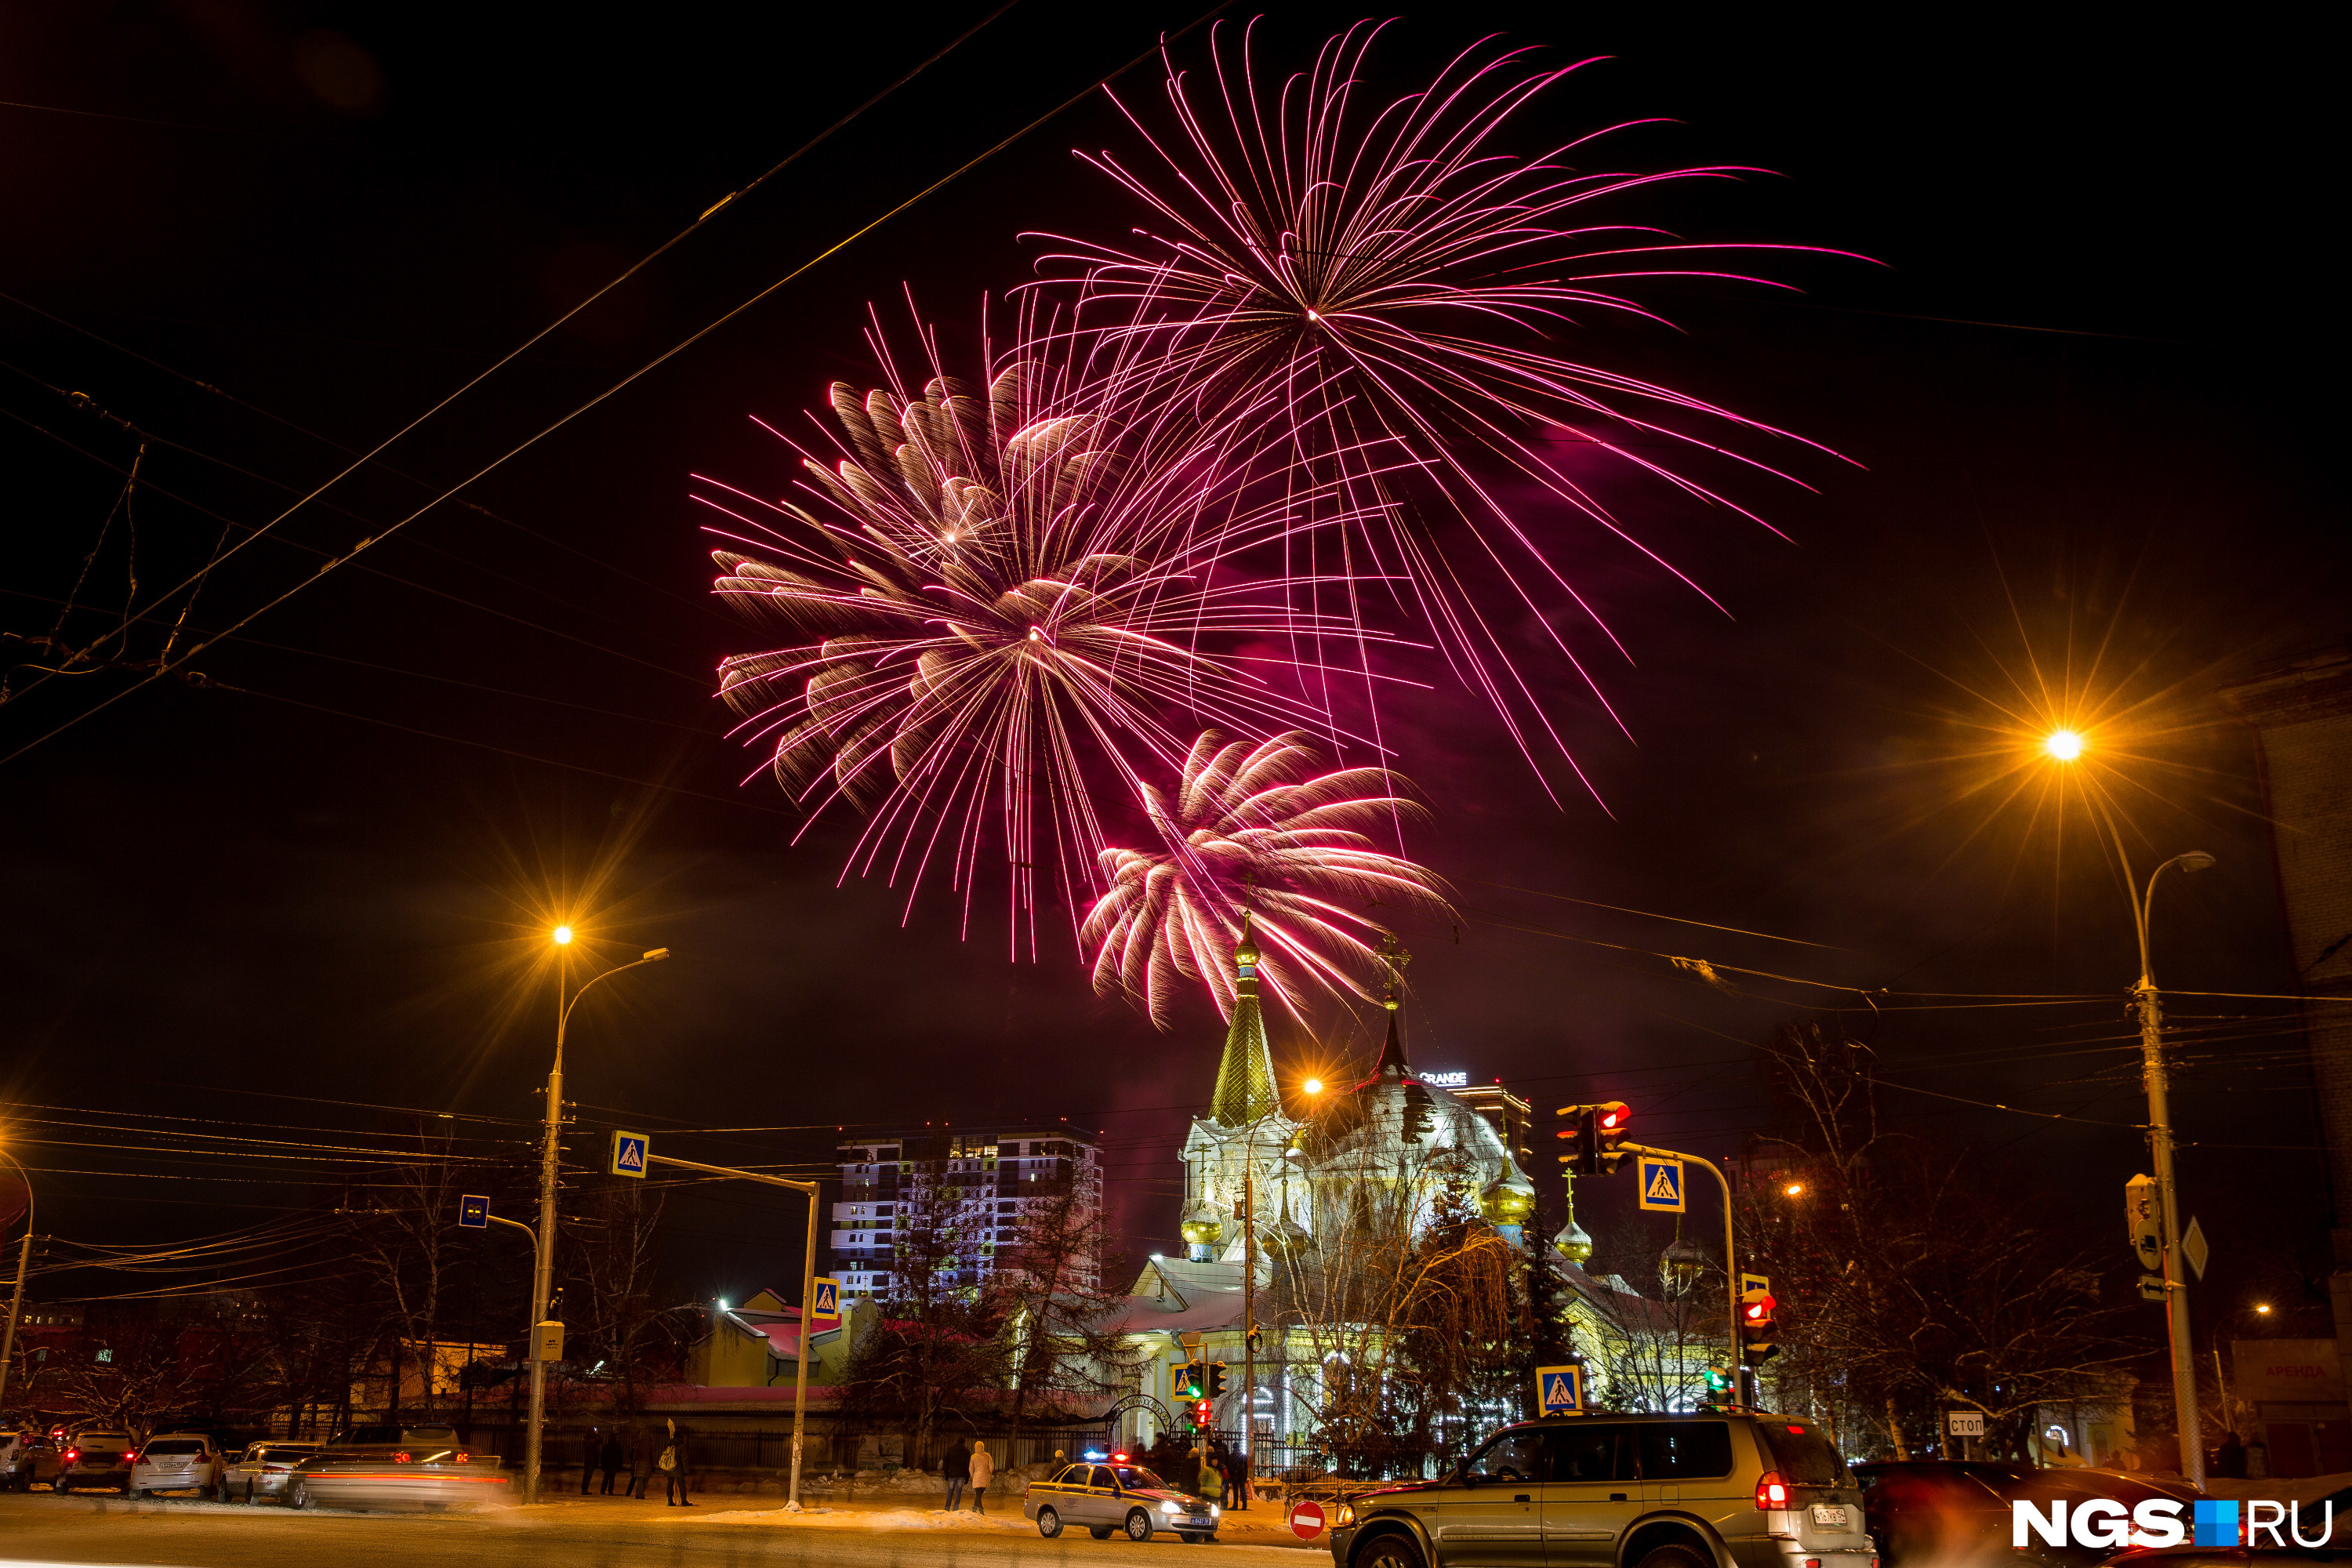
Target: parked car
<point>26,1456</point>
<point>1622,1491</point>
<point>1118,1495</point>
<point>95,1459</point>
<point>411,1467</point>
<point>262,1471</point>
<point>1929,1511</point>
<point>175,1462</point>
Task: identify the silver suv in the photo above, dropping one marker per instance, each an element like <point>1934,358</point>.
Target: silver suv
<point>1623,1491</point>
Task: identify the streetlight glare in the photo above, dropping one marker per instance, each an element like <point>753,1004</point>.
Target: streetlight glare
<point>2261,1309</point>
<point>1795,1189</point>
<point>563,935</point>
<point>2064,744</point>
<point>1313,1086</point>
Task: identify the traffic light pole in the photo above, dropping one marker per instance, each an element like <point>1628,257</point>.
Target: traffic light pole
<point>1730,1260</point>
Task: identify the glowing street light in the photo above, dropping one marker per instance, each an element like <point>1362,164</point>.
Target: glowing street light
<point>2064,744</point>
<point>563,935</point>
<point>1793,1189</point>
<point>2261,1309</point>
<point>1313,1086</point>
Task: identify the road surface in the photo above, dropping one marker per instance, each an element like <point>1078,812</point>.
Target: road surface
<point>36,1527</point>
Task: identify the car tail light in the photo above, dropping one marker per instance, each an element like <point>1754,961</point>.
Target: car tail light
<point>1771,1490</point>
<point>72,1454</point>
<point>464,1458</point>
<point>400,1458</point>
<point>130,1456</point>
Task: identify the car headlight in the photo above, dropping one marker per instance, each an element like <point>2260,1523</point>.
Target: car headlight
<point>1214,1511</point>
<point>1172,1508</point>
<point>1344,1514</point>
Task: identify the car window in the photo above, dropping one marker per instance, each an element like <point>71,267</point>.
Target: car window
<point>1513,1457</point>
<point>1685,1450</point>
<point>176,1446</point>
<point>1075,1475</point>
<point>1801,1455</point>
<point>1102,1478</point>
<point>1582,1453</point>
<point>1135,1478</point>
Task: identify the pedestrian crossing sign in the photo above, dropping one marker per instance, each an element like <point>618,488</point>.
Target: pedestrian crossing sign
<point>631,1152</point>
<point>1662,1184</point>
<point>824,1304</point>
<point>1561,1389</point>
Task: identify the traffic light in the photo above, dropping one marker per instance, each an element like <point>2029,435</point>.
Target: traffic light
<point>1718,1380</point>
<point>1188,1380</point>
<point>1755,1332</point>
<point>1217,1389</point>
<point>1598,1131</point>
<point>1204,1416</point>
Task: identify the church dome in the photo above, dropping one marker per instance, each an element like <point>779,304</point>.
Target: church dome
<point>1201,1228</point>
<point>1393,1128</point>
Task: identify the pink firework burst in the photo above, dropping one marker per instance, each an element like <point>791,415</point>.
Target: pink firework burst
<point>1398,282</point>
<point>996,596</point>
<point>1246,829</point>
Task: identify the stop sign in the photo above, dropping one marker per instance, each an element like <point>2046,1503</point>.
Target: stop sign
<point>1307,1519</point>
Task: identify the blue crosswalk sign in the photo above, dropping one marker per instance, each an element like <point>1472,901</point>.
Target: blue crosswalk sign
<point>1662,1184</point>
<point>1561,1389</point>
<point>474,1212</point>
<point>632,1152</point>
<point>824,1303</point>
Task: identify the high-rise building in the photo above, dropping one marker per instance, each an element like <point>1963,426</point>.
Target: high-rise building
<point>975,1183</point>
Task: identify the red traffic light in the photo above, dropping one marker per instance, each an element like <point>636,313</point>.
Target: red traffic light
<point>1201,1414</point>
<point>1614,1115</point>
<point>1757,1307</point>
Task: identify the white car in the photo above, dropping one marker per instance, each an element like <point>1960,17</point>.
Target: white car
<point>173,1462</point>
<point>261,1473</point>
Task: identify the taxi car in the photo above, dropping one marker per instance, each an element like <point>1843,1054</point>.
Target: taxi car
<point>1728,1490</point>
<point>263,1469</point>
<point>419,1467</point>
<point>175,1462</point>
<point>1116,1495</point>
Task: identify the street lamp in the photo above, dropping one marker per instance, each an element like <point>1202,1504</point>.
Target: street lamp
<point>2065,745</point>
<point>543,1276</point>
<point>17,1302</point>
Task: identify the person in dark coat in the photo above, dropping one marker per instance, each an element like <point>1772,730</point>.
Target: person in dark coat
<point>956,1470</point>
<point>610,1460</point>
<point>2229,1459</point>
<point>592,1445</point>
<point>640,1462</point>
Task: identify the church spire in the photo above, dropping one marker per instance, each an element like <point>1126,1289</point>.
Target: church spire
<point>1393,1052</point>
<point>1245,1078</point>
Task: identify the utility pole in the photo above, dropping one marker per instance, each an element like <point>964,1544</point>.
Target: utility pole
<point>1730,1267</point>
<point>17,1302</point>
<point>1249,1319</point>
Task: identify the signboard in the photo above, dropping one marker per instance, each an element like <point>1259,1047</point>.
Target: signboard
<point>1460,1079</point>
<point>1751,1283</point>
<point>631,1152</point>
<point>824,1304</point>
<point>1307,1519</point>
<point>2306,1371</point>
<point>1662,1184</point>
<point>2193,1248</point>
<point>1561,1389</point>
<point>1967,1423</point>
<point>474,1212</point>
<point>547,1342</point>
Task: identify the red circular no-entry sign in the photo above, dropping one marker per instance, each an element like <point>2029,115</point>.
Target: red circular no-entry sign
<point>1307,1519</point>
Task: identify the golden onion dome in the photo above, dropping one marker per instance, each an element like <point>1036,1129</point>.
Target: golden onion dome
<point>1572,1243</point>
<point>1509,1199</point>
<point>1201,1228</point>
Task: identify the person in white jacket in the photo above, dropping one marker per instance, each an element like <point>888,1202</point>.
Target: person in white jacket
<point>984,1470</point>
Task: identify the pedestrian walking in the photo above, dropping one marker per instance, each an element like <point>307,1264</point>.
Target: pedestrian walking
<point>672,1464</point>
<point>639,1466</point>
<point>590,1449</point>
<point>609,1459</point>
<point>984,1470</point>
<point>956,1469</point>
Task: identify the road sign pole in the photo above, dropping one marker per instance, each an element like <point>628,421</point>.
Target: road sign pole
<point>1730,1261</point>
<point>808,1289</point>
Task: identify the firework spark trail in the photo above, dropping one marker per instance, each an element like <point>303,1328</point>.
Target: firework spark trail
<point>1243,829</point>
<point>1371,267</point>
<point>1000,595</point>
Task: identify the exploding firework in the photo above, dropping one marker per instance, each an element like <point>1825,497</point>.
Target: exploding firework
<point>999,597</point>
<point>1245,830</point>
<point>1392,278</point>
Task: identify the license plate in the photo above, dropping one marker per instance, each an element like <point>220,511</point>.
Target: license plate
<point>1829,1517</point>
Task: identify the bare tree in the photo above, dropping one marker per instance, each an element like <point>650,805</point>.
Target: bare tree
<point>1047,1289</point>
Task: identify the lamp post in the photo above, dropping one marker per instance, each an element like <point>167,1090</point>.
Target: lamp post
<point>543,1275</point>
<point>2066,746</point>
<point>17,1302</point>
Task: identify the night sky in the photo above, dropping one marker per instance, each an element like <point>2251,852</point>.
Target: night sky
<point>2079,384</point>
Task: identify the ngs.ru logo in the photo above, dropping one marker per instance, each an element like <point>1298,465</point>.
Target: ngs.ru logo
<point>2105,1523</point>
